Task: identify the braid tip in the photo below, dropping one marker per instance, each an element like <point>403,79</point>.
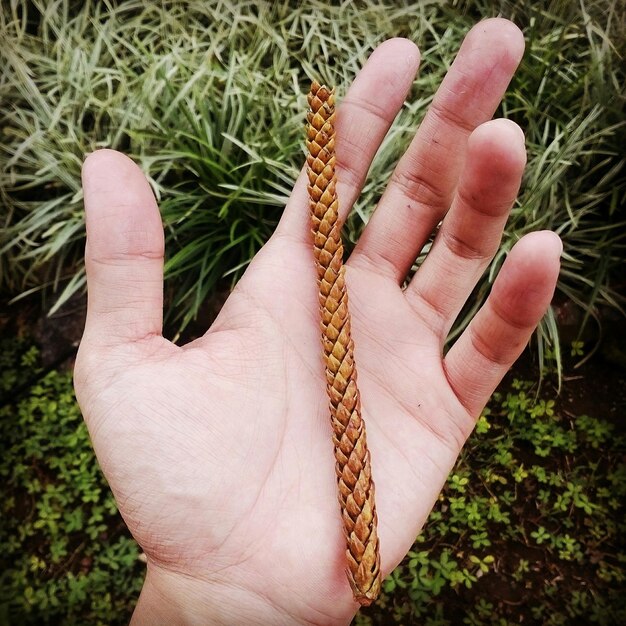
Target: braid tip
<point>367,597</point>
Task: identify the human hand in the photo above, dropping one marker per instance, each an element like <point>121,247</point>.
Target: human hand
<point>219,452</point>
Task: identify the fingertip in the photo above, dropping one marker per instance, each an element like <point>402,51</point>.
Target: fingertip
<point>98,158</point>
<point>539,255</point>
<point>105,163</point>
<point>505,127</point>
<point>503,33</point>
<point>496,160</point>
<point>500,139</point>
<point>390,69</point>
<point>401,49</point>
<point>112,182</point>
<point>545,244</point>
<point>497,45</point>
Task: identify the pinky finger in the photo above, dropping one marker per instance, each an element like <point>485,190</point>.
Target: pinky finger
<point>498,334</point>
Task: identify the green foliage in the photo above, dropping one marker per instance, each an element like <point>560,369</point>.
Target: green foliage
<point>67,557</point>
<point>530,517</point>
<point>209,99</point>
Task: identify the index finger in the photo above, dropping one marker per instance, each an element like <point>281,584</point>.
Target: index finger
<point>363,118</point>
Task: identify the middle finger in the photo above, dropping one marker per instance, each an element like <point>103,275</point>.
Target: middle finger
<point>422,186</point>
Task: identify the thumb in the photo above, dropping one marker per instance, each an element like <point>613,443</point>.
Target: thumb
<point>124,252</point>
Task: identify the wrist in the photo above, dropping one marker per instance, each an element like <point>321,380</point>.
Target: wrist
<point>180,600</point>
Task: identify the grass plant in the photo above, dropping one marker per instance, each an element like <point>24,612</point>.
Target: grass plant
<point>67,557</point>
<point>208,97</point>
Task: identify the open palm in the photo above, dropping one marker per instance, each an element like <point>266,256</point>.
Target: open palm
<point>219,452</point>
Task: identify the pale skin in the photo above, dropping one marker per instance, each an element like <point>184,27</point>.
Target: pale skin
<point>219,452</point>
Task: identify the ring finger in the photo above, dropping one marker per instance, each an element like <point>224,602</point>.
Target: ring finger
<point>472,229</point>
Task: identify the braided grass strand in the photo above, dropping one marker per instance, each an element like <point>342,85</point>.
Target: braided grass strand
<point>354,476</point>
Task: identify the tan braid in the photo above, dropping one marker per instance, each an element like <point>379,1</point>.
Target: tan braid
<point>354,476</point>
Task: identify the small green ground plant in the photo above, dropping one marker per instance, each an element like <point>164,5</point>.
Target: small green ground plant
<point>67,557</point>
<point>209,98</point>
<point>527,529</point>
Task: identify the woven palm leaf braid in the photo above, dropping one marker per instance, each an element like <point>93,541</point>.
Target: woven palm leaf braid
<point>354,477</point>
